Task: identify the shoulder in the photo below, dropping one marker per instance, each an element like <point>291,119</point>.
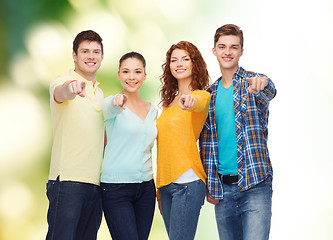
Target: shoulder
<point>59,80</point>
<point>250,74</point>
<point>200,94</point>
<point>153,107</point>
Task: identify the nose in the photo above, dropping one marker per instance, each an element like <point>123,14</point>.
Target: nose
<point>227,51</point>
<point>179,63</point>
<point>91,55</point>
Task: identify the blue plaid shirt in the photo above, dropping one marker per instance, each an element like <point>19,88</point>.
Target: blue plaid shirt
<point>251,119</point>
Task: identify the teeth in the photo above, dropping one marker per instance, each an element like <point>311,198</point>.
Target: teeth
<point>90,64</point>
<point>227,59</point>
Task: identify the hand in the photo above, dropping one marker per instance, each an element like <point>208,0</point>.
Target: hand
<point>160,206</point>
<point>76,87</point>
<point>186,102</point>
<point>256,84</point>
<point>120,100</point>
<point>210,199</point>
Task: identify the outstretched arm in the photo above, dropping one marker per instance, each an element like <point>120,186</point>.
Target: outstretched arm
<point>186,102</point>
<point>262,87</point>
<point>120,100</point>
<point>69,90</point>
<point>114,105</point>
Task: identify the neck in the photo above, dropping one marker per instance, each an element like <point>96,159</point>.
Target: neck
<point>184,86</point>
<point>89,77</point>
<point>132,97</point>
<point>227,76</point>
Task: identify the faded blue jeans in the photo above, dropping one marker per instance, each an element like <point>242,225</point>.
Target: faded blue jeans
<point>181,205</point>
<point>75,210</point>
<point>245,215</point>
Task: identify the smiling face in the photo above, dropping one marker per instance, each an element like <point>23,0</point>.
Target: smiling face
<point>228,51</point>
<point>88,59</point>
<point>131,75</point>
<point>181,65</point>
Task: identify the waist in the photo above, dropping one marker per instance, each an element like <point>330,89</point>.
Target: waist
<point>229,179</point>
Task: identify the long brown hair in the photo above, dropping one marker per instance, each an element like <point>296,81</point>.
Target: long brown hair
<point>200,77</point>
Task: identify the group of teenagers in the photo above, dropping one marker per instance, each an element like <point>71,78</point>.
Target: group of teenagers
<point>211,143</point>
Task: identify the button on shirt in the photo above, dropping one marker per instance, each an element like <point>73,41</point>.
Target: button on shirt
<point>130,139</point>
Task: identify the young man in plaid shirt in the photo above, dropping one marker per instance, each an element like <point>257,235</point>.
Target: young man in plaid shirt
<point>233,143</point>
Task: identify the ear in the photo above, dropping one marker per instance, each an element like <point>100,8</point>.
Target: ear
<point>214,51</point>
<point>74,56</point>
<point>145,77</point>
<point>118,75</point>
<point>242,51</point>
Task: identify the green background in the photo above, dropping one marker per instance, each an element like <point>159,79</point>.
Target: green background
<point>290,41</point>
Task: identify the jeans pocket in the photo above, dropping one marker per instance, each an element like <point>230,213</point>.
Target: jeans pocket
<point>50,188</point>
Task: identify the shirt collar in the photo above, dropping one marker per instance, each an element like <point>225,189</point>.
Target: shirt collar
<point>77,76</point>
<point>240,72</point>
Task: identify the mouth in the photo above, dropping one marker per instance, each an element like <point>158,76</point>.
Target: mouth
<point>227,59</point>
<point>90,64</point>
<point>132,84</point>
<point>181,70</point>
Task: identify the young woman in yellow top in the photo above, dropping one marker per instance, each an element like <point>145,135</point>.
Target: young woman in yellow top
<point>180,175</point>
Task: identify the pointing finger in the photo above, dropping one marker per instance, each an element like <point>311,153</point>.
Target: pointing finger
<point>124,101</point>
<point>249,80</point>
<point>181,103</point>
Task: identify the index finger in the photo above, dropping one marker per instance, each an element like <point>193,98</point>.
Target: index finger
<point>249,80</point>
<point>83,85</point>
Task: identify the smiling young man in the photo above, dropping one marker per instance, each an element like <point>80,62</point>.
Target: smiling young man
<point>75,208</point>
<point>233,143</point>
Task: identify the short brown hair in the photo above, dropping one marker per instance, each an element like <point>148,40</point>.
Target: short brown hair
<point>200,77</point>
<point>229,29</point>
<point>88,35</point>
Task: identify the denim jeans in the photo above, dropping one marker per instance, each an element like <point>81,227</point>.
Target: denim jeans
<point>181,205</point>
<point>129,209</point>
<point>75,210</point>
<point>245,215</point>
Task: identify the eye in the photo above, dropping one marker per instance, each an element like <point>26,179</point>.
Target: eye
<point>124,71</point>
<point>138,72</point>
<point>173,60</point>
<point>187,59</point>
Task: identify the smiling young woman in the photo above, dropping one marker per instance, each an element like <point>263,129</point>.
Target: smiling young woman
<point>126,177</point>
<point>180,175</point>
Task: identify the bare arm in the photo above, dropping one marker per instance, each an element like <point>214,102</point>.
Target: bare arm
<point>68,91</point>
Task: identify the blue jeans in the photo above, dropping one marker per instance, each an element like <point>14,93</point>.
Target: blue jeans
<point>75,210</point>
<point>181,205</point>
<point>129,209</point>
<point>245,215</point>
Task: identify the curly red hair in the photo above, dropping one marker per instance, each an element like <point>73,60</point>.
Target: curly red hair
<point>200,77</point>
